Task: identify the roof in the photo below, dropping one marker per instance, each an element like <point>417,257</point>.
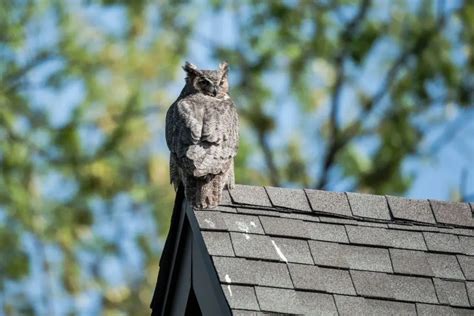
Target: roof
<point>313,252</point>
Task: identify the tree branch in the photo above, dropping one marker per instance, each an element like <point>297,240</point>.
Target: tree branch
<point>247,69</point>
<point>335,145</point>
<point>269,160</point>
<point>420,45</point>
<point>333,140</point>
<point>12,79</point>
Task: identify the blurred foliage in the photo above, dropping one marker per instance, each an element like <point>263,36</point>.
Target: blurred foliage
<point>84,86</point>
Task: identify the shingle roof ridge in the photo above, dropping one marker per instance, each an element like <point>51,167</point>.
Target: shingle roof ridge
<point>352,205</point>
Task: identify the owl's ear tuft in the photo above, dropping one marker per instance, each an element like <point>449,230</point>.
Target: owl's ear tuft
<point>191,69</point>
<point>224,67</point>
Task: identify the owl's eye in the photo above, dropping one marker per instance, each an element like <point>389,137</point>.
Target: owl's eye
<point>204,82</point>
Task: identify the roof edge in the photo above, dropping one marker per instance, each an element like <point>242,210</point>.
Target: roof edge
<point>352,205</point>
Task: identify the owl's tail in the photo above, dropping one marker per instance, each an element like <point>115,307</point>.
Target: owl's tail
<point>205,192</point>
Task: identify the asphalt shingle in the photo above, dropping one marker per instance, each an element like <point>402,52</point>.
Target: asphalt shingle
<point>321,279</point>
<point>221,208</point>
<point>350,257</point>
<point>301,229</point>
<point>414,289</point>
<point>253,246</point>
<point>426,264</point>
<point>288,198</point>
<point>278,226</point>
<point>386,237</point>
<point>366,258</point>
<point>410,262</point>
<point>409,226</point>
<point>467,245</point>
<point>225,199</point>
<point>451,292</point>
<point>470,292</point>
<point>456,213</point>
<point>303,216</point>
<point>295,302</point>
<point>252,195</point>
<point>310,303</point>
<point>372,284</point>
<point>463,231</point>
<point>359,222</point>
<point>276,300</point>
<point>467,266</point>
<point>329,202</point>
<point>252,272</point>
<point>218,243</point>
<point>441,310</point>
<point>328,232</point>
<point>328,254</point>
<point>442,242</point>
<point>210,220</point>
<point>405,288</point>
<point>292,250</point>
<point>444,266</point>
<point>243,223</point>
<point>255,211</point>
<point>339,220</point>
<point>241,297</point>
<point>409,209</point>
<point>351,305</point>
<point>369,206</point>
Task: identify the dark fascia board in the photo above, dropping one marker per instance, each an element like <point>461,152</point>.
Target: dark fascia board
<point>203,278</point>
<point>169,255</point>
<point>205,282</point>
<point>180,286</point>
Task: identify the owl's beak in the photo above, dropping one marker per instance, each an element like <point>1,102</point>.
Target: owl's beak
<point>214,91</point>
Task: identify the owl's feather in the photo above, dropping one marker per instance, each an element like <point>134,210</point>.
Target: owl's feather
<point>202,135</point>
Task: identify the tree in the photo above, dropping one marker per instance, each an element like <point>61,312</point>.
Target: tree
<point>77,99</point>
<point>84,188</point>
<point>391,66</point>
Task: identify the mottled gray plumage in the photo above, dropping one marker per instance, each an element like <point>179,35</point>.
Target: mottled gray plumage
<point>202,133</point>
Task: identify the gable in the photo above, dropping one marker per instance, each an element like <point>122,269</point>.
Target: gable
<point>187,283</point>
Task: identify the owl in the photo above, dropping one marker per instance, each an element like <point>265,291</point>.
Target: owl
<point>202,134</point>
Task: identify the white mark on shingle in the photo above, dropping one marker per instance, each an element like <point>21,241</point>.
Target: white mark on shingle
<point>228,280</point>
<point>247,236</point>
<point>242,226</point>
<point>253,224</point>
<point>210,223</point>
<point>278,250</point>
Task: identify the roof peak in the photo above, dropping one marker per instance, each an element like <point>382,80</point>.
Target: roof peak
<point>351,205</point>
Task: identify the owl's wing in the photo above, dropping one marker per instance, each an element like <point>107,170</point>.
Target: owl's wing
<point>213,152</point>
<point>183,126</point>
<point>169,126</point>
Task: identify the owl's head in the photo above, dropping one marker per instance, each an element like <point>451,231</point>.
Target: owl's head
<point>209,82</point>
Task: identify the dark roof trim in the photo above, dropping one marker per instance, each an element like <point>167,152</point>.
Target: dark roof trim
<point>186,268</point>
<point>170,252</point>
<point>207,287</point>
